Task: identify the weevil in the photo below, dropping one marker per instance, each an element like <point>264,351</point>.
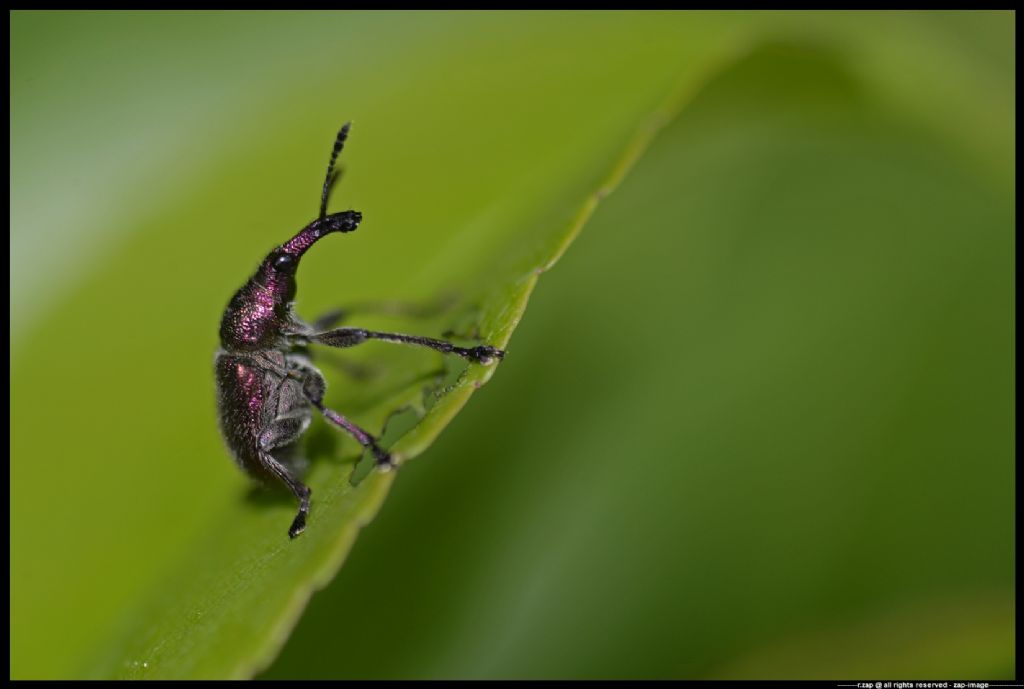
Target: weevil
<point>267,385</point>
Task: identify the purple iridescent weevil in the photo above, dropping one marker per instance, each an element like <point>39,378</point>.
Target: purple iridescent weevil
<point>266,383</point>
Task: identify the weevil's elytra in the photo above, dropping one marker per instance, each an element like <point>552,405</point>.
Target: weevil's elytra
<point>267,385</point>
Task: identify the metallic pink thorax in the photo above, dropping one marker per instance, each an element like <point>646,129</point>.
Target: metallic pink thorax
<point>255,315</point>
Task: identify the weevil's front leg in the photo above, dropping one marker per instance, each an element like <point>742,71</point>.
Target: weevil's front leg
<point>350,337</point>
<point>301,330</point>
<point>282,432</point>
<point>313,388</point>
<point>384,308</point>
<point>300,346</point>
<point>329,319</point>
<point>352,369</point>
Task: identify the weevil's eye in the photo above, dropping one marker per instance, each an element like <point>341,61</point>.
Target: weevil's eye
<point>285,263</point>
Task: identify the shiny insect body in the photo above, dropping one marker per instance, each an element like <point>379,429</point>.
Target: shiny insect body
<point>267,385</point>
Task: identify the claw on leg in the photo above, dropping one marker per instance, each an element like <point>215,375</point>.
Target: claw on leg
<point>484,354</point>
<point>383,459</point>
<point>299,523</point>
<point>298,526</point>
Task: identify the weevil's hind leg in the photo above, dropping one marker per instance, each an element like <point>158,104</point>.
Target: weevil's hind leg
<point>301,491</point>
<point>280,433</point>
<point>314,388</point>
<point>350,337</point>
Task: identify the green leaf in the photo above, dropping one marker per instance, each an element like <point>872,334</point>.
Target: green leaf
<point>481,144</point>
<point>176,567</point>
<point>244,586</point>
<point>760,419</point>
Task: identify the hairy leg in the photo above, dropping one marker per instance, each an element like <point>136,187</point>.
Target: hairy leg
<point>277,434</point>
<point>350,337</point>
<point>313,388</point>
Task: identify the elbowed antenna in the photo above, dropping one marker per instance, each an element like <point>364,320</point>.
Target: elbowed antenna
<point>339,142</point>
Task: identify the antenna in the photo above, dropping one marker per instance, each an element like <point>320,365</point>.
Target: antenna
<point>331,177</point>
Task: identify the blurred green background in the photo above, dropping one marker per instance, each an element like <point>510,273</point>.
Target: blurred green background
<point>757,423</point>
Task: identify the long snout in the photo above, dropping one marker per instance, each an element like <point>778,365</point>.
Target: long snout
<point>346,221</point>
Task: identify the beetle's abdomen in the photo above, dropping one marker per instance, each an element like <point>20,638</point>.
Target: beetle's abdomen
<point>241,407</point>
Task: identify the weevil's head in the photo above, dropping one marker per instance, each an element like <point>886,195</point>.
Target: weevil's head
<point>277,272</point>
<point>259,313</point>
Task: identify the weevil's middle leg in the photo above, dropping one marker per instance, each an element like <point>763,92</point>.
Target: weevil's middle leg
<point>313,387</point>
